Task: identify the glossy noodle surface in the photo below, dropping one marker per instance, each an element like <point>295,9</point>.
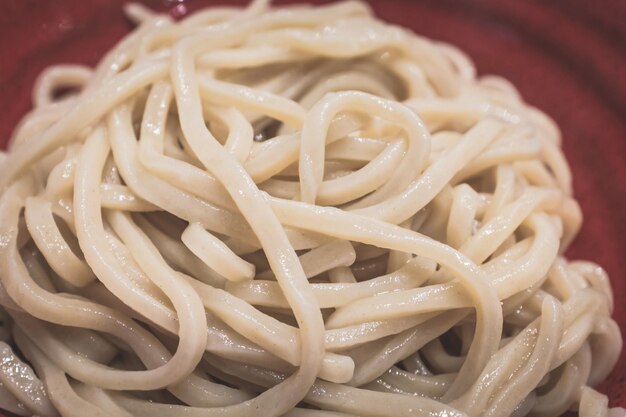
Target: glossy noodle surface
<point>299,211</point>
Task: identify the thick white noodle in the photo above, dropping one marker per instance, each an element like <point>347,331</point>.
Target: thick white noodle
<point>297,211</point>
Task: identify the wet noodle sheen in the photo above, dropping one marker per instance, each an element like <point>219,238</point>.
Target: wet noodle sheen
<point>296,211</point>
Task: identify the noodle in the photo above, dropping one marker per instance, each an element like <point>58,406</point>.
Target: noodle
<point>297,211</point>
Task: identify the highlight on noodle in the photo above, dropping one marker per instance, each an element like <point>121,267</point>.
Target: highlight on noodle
<point>297,211</point>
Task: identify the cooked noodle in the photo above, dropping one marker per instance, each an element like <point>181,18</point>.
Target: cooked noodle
<point>295,211</point>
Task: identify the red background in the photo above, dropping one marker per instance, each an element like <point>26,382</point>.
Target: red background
<point>567,58</point>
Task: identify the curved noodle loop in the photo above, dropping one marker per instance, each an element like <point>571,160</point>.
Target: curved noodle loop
<point>297,211</point>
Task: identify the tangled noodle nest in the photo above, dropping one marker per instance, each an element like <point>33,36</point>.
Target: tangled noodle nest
<point>300,211</point>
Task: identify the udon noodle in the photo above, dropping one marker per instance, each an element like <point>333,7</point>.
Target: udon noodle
<point>296,211</point>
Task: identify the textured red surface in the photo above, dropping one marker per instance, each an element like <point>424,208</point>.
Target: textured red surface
<point>566,58</point>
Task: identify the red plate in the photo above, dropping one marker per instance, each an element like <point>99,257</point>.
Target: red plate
<point>567,58</point>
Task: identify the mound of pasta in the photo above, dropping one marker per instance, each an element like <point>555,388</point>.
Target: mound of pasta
<point>297,211</point>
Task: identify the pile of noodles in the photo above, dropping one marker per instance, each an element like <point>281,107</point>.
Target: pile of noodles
<point>295,211</point>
